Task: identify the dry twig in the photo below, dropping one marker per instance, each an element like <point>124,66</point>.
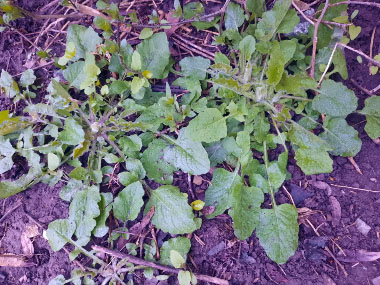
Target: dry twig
<point>139,261</point>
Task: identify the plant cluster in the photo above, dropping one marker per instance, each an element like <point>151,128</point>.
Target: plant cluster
<point>255,98</point>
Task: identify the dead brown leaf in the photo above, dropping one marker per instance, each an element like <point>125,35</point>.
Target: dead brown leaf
<point>358,255</point>
<point>31,231</point>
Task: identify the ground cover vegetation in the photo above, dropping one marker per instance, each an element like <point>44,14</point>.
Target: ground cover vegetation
<point>273,89</point>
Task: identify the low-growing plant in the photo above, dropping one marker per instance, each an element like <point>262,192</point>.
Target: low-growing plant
<point>104,117</point>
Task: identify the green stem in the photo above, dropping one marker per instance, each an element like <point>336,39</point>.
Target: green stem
<point>278,132</point>
<point>271,192</point>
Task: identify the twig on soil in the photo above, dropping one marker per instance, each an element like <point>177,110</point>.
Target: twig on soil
<point>150,264</point>
<point>315,39</point>
<point>374,90</point>
<point>36,67</point>
<point>354,188</point>
<point>25,38</point>
<point>10,211</point>
<point>289,196</point>
<point>355,165</point>
<point>328,66</point>
<point>328,250</point>
<point>190,186</point>
<point>371,47</point>
<point>371,60</point>
<point>196,50</point>
<point>366,91</point>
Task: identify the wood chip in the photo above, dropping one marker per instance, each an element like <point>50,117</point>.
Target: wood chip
<point>336,211</point>
<point>362,227</point>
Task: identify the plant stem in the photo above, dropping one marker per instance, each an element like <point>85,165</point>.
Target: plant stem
<point>105,136</point>
<point>271,192</point>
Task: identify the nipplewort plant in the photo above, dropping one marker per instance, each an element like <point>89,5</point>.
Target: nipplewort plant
<point>255,98</point>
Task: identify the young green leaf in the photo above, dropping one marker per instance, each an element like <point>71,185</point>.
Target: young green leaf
<point>256,7</point>
<point>83,210</point>
<point>290,21</point>
<point>194,67</point>
<point>335,99</point>
<point>27,78</point>
<point>180,244</point>
<point>247,47</point>
<point>278,232</point>
<point>155,55</point>
<point>219,193</point>
<point>146,33</point>
<point>342,137</point>
<point>184,277</point>
<point>128,203</point>
<point>105,206</point>
<point>136,61</point>
<point>126,178</point>
<point>172,211</point>
<point>85,40</point>
<point>208,126</point>
<point>184,153</point>
<point>176,259</point>
<point>59,233</point>
<point>234,16</point>
<point>313,161</point>
<point>276,64</point>
<point>53,161</point>
<point>372,112</point>
<point>157,168</point>
<point>245,210</point>
<point>7,84</point>
<point>72,134</point>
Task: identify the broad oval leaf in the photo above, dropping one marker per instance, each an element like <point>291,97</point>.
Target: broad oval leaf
<point>209,126</point>
<point>172,213</point>
<point>313,161</point>
<point>219,193</point>
<point>278,232</point>
<point>342,137</point>
<point>245,210</point>
<point>59,233</point>
<point>128,203</point>
<point>72,134</point>
<point>234,16</point>
<point>189,156</point>
<point>335,99</point>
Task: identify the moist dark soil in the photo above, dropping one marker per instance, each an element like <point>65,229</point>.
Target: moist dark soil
<point>215,251</point>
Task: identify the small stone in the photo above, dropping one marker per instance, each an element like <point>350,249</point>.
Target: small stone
<point>373,179</point>
<point>362,227</point>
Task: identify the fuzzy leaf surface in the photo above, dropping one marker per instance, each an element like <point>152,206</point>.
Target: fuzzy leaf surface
<point>278,232</point>
<point>128,203</point>
<point>245,210</point>
<point>189,156</point>
<point>172,213</point>
<point>208,126</point>
<point>342,137</point>
<point>219,193</point>
<point>335,99</point>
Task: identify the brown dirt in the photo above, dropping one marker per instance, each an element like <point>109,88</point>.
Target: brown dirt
<point>222,255</point>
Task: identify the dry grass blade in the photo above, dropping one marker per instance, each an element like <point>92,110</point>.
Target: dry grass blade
<point>12,260</point>
<point>354,188</point>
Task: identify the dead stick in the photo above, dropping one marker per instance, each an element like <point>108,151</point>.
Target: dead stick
<point>315,39</point>
<point>146,263</point>
<point>371,60</point>
<point>10,211</point>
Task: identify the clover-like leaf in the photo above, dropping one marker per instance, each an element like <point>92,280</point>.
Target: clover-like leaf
<point>172,213</point>
<point>278,232</point>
